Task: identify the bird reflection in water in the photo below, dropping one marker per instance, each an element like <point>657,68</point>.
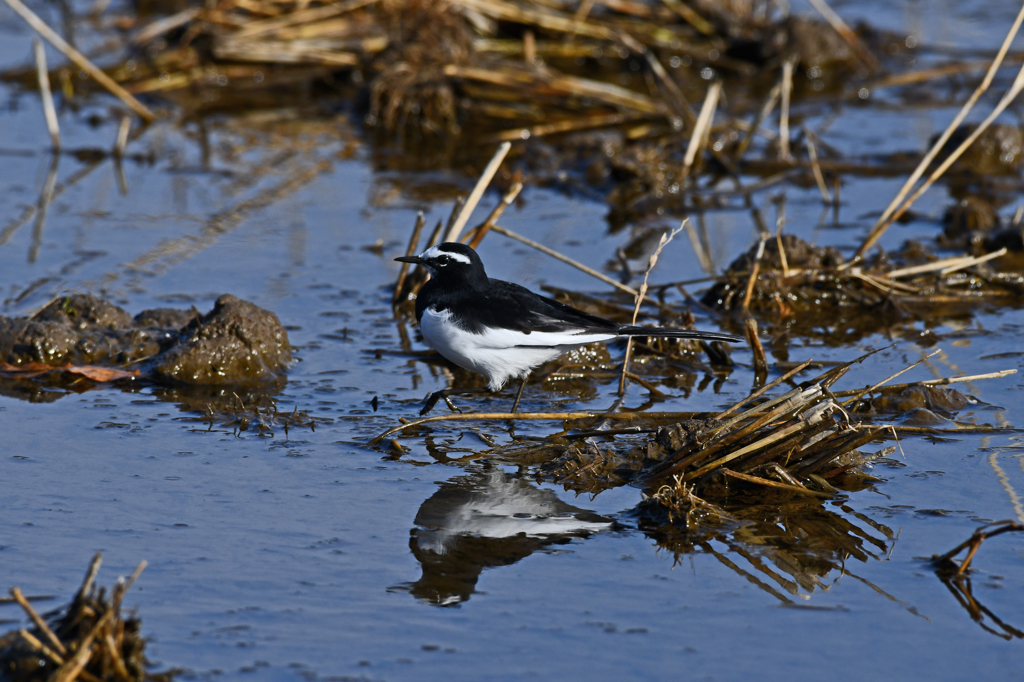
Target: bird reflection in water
<point>485,519</point>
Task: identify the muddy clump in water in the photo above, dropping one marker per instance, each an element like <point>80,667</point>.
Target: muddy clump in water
<point>800,256</point>
<point>967,224</point>
<point>236,342</point>
<point>920,405</point>
<point>83,329</point>
<point>997,151</point>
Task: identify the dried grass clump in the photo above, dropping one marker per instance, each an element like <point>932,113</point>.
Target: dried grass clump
<point>791,284</point>
<point>86,640</point>
<point>492,65</point>
<point>793,443</point>
<point>424,37</point>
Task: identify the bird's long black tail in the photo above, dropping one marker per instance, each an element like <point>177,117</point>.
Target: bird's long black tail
<point>677,333</point>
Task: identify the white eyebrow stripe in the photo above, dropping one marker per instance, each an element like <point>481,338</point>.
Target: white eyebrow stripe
<point>436,251</point>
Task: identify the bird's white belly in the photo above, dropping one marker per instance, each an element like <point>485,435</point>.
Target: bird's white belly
<point>498,354</point>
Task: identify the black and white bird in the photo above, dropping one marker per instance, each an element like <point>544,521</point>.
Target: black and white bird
<point>502,330</point>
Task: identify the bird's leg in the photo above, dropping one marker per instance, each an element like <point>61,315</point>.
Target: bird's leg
<point>522,385</point>
<point>434,397</point>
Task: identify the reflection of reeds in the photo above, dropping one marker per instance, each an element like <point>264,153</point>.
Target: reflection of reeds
<point>956,577</point>
<point>787,550</point>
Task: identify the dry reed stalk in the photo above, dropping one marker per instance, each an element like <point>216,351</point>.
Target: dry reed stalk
<point>812,152</point>
<point>79,59</point>
<point>944,71</point>
<point>754,271</point>
<point>38,622</point>
<point>691,17</point>
<point>560,86</point>
<point>284,52</point>
<point>813,416</point>
<point>460,201</point>
<point>944,266</point>
<point>701,127</point>
<point>565,259</point>
<point>580,16</point>
<point>787,92</point>
<point>49,111</point>
<point>121,141</point>
<point>933,382</point>
<point>798,489</point>
<point>1015,89</point>
<point>410,250</point>
<point>541,19</point>
<point>761,391</point>
<point>766,109</point>
<point>73,666</point>
<point>302,16</point>
<point>888,217</point>
<point>157,28</point>
<point>455,229</point>
<point>760,359</point>
<point>479,232</point>
<point>662,243</point>
<point>870,389</point>
<point>567,126</point>
<point>40,647</point>
<point>846,33</point>
<point>973,543</point>
<point>542,48</point>
<point>530,416</point>
<point>804,427</point>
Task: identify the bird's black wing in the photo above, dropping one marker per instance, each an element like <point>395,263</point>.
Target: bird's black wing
<point>511,306</point>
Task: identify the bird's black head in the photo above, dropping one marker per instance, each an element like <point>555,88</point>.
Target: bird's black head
<point>450,262</point>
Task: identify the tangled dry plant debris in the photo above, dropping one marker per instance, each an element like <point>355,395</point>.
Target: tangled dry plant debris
<point>791,285</point>
<point>86,640</point>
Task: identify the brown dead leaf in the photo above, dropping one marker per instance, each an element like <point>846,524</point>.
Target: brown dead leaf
<point>100,374</point>
<point>31,370</point>
<point>28,370</point>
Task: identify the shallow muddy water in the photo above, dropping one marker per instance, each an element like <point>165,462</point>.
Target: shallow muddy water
<point>309,554</point>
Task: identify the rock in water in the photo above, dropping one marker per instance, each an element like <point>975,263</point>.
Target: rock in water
<point>236,342</point>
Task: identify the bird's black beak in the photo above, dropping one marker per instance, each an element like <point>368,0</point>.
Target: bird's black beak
<point>410,259</point>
